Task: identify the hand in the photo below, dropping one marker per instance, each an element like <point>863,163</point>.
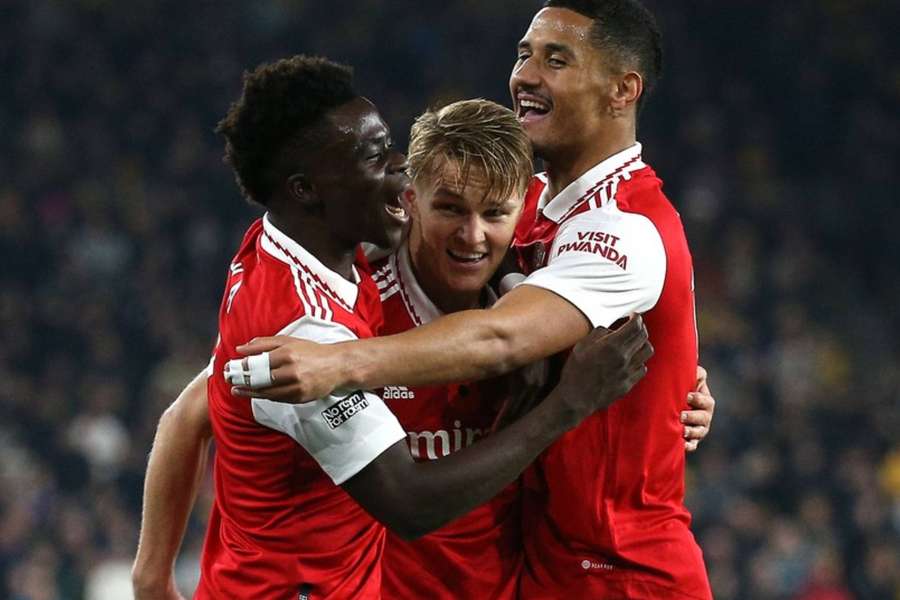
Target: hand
<point>605,366</point>
<point>698,421</point>
<point>301,371</point>
<point>526,388</point>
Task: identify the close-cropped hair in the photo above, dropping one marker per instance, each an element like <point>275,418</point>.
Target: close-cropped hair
<point>626,32</point>
<point>472,133</point>
<point>280,103</point>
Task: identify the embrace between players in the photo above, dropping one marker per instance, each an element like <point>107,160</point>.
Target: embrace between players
<point>310,466</point>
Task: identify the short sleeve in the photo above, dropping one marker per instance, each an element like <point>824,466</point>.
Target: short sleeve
<point>607,263</point>
<point>343,432</point>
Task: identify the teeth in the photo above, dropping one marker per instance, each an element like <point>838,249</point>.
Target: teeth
<point>397,211</point>
<point>532,104</point>
<point>467,255</point>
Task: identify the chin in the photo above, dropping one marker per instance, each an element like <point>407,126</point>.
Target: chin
<point>467,284</point>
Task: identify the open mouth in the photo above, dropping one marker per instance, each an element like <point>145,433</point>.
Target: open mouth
<point>396,211</point>
<point>532,108</point>
<point>467,258</point>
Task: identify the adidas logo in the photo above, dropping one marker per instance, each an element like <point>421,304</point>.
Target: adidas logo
<point>399,392</point>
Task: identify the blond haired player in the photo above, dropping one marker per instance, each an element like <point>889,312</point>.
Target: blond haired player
<point>598,240</point>
<point>470,162</point>
<point>303,492</point>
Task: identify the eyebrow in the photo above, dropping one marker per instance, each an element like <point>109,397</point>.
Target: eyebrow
<point>561,48</point>
<point>498,204</point>
<point>448,192</point>
<point>550,47</point>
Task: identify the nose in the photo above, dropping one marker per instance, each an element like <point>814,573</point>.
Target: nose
<point>472,231</point>
<point>524,73</point>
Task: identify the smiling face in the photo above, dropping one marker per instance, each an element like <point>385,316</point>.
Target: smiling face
<point>359,177</point>
<point>460,233</point>
<point>559,83</point>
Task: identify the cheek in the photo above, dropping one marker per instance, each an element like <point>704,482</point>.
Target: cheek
<point>434,231</point>
<point>500,235</point>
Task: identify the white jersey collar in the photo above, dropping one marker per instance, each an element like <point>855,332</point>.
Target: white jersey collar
<point>420,306</point>
<point>619,164</point>
<point>280,246</point>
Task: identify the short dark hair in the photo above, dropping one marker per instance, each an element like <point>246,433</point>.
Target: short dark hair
<point>279,104</point>
<point>627,32</point>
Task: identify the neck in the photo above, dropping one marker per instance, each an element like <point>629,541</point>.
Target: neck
<point>568,165</point>
<point>447,300</point>
<point>316,239</point>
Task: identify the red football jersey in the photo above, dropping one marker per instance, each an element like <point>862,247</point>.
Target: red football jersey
<point>281,527</point>
<point>603,507</point>
<point>478,555</point>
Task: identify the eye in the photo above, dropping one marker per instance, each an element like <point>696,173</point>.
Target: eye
<point>522,56</point>
<point>449,209</point>
<point>556,63</point>
<point>495,214</point>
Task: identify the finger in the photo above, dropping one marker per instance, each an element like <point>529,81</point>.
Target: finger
<point>634,377</point>
<point>694,433</point>
<point>251,371</point>
<point>286,374</point>
<point>640,337</point>
<point>701,401</point>
<point>263,344</point>
<point>701,376</point>
<point>643,353</point>
<point>630,329</point>
<point>695,417</point>
<point>691,445</point>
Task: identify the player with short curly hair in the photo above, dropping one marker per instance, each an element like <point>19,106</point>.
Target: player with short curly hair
<point>302,492</point>
<point>270,126</point>
<point>598,240</point>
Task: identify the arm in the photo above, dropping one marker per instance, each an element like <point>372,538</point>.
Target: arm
<point>557,305</point>
<point>463,346</point>
<point>413,498</point>
<point>174,472</point>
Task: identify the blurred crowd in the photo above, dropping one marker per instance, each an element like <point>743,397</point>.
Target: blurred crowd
<point>776,129</point>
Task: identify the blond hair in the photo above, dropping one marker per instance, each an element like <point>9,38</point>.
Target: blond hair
<point>471,133</point>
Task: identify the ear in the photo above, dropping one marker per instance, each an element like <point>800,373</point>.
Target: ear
<point>409,200</point>
<point>626,92</point>
<point>301,190</point>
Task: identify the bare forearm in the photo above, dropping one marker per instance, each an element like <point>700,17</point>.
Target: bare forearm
<point>476,477</point>
<point>414,498</point>
<point>174,472</point>
<point>464,346</point>
<point>436,492</point>
<point>527,325</point>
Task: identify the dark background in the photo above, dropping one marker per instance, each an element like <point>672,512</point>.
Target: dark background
<point>775,128</point>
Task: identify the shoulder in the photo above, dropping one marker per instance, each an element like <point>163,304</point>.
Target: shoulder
<point>385,275</point>
<point>643,194</point>
<point>630,240</point>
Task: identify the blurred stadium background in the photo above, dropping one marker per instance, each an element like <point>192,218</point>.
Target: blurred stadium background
<point>775,128</point>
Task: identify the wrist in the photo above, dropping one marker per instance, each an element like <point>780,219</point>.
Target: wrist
<point>352,372</point>
<point>146,581</point>
<point>563,415</point>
